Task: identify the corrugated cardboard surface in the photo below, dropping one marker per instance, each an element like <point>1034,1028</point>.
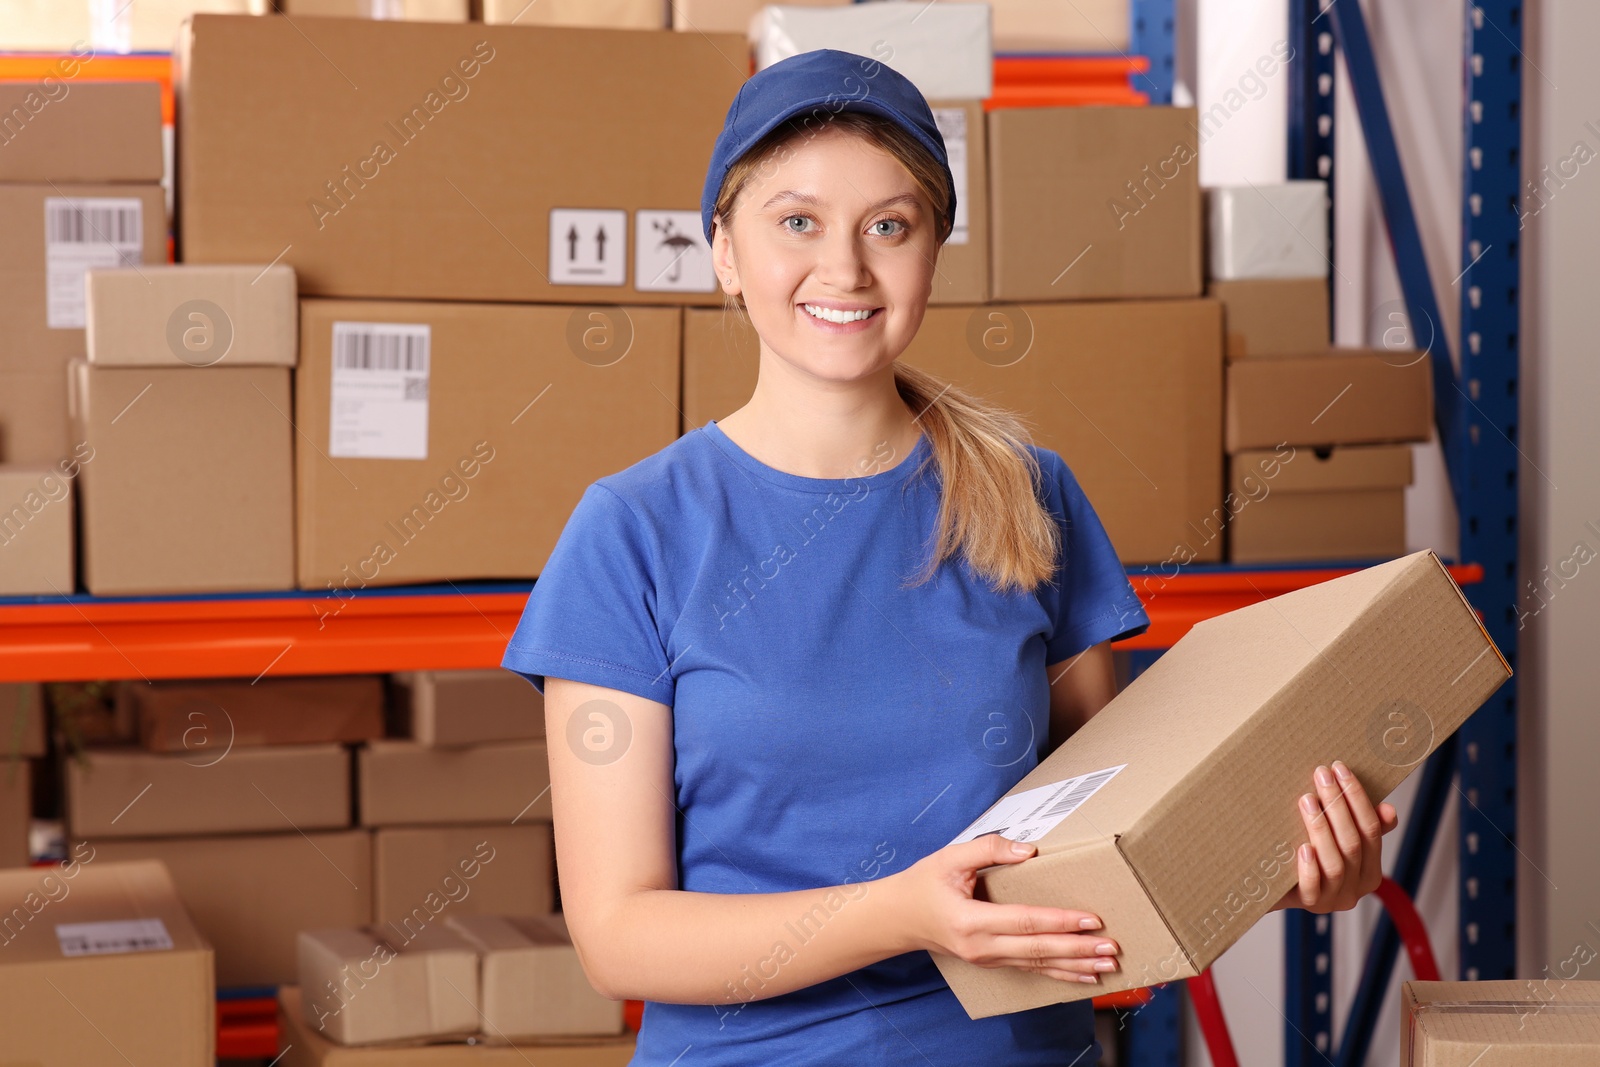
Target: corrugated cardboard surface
<point>127,792</point>
<point>405,784</point>
<point>460,206</point>
<point>33,356</point>
<point>612,14</point>
<point>1061,25</point>
<point>510,400</point>
<point>16,811</point>
<point>155,1006</point>
<point>198,716</point>
<point>1550,1022</point>
<point>58,130</point>
<point>193,316</point>
<point>1274,316</point>
<point>484,869</point>
<point>533,984</point>
<point>250,894</point>
<point>1348,503</point>
<point>1219,739</point>
<point>961,274</point>
<point>1094,203</point>
<point>36,532</point>
<point>442,709</point>
<point>21,719</point>
<point>372,986</point>
<point>1345,396</point>
<point>305,1047</point>
<point>1129,393</point>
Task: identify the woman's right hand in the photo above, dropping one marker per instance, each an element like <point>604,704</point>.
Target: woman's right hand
<point>941,916</point>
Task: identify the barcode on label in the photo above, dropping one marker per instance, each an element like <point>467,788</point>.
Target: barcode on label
<point>80,222</point>
<point>380,346</point>
<point>108,938</point>
<point>1084,788</point>
<point>1033,813</point>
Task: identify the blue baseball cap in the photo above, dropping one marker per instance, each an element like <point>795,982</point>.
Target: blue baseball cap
<point>819,83</point>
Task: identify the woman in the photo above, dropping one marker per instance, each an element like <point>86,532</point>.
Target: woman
<point>791,656</point>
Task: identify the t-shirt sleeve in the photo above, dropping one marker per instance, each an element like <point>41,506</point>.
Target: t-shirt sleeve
<point>1092,599</point>
<point>591,616</point>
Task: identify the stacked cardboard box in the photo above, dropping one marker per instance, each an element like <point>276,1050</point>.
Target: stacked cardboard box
<point>1554,1022</point>
<point>243,791</point>
<point>21,741</point>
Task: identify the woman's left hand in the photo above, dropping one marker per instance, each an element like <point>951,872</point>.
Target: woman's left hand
<point>1344,860</point>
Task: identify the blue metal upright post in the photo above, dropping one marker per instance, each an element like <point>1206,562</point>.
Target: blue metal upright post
<point>1153,34</point>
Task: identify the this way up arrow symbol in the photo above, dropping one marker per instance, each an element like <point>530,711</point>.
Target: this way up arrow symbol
<point>600,242</point>
<point>572,243</point>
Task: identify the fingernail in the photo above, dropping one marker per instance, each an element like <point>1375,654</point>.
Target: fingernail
<point>1105,965</point>
<point>1020,848</point>
<point>1323,777</point>
<point>1088,924</point>
<point>1308,804</point>
<point>1090,978</point>
<point>1105,948</point>
<point>1340,769</point>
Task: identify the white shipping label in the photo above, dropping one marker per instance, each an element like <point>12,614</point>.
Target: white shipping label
<point>108,938</point>
<point>81,232</point>
<point>952,122</point>
<point>588,247</point>
<point>379,401</point>
<point>1032,813</point>
<point>671,254</point>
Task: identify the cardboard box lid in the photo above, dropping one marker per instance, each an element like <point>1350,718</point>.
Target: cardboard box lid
<point>1457,1024</point>
<point>57,130</point>
<point>1324,471</point>
<point>87,909</point>
<point>194,315</point>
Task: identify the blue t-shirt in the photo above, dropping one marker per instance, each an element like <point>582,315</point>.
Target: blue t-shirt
<point>830,726</point>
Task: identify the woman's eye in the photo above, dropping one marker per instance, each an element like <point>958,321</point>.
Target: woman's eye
<point>792,219</point>
<point>887,222</point>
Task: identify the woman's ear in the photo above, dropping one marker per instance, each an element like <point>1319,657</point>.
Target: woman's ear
<point>722,257</point>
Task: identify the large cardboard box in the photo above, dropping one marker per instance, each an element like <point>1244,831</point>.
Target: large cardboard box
<point>304,1046</point>
<point>251,894</point>
<point>945,50</point>
<point>1094,203</point>
<point>1182,821</point>
<point>16,810</point>
<point>49,235</point>
<point>1343,504</point>
<point>961,274</point>
<point>111,944</point>
<point>60,130</point>
<point>191,484</point>
<point>21,720</point>
<point>1550,1022</point>
<point>211,715</point>
<point>192,316</point>
<point>126,792</point>
<point>36,530</point>
<point>604,14</point>
<point>367,986</point>
<point>1269,231</point>
<point>447,441</point>
<point>532,982</point>
<point>413,10</point>
<point>1274,316</point>
<point>486,869</point>
<point>401,783</point>
<point>442,709</point>
<point>1345,396</point>
<point>1128,392</point>
<point>436,180</point>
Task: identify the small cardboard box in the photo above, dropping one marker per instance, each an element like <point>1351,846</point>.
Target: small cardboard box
<point>21,720</point>
<point>1274,316</point>
<point>533,984</point>
<point>437,181</point>
<point>251,894</point>
<point>1347,503</point>
<point>1093,203</point>
<point>448,709</point>
<point>466,461</point>
<point>961,275</point>
<point>303,1046</point>
<point>1269,231</point>
<point>403,783</point>
<point>190,488</point>
<point>16,811</point>
<point>1345,396</point>
<point>1128,392</point>
<point>367,986</point>
<point>1550,1022</point>
<point>36,531</point>
<point>945,50</point>
<point>599,14</point>
<point>200,715</point>
<point>487,869</point>
<point>58,130</point>
<point>109,942</point>
<point>127,792</point>
<point>192,316</point>
<point>1172,814</point>
<point>50,234</point>
<point>409,10</point>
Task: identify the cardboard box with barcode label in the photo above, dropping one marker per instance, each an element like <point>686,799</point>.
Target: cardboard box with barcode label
<point>1173,813</point>
<point>447,709</point>
<point>442,441</point>
<point>101,964</point>
<point>1551,1022</point>
<point>437,180</point>
<point>961,273</point>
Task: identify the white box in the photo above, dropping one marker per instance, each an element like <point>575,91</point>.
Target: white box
<point>946,50</point>
<point>1268,231</point>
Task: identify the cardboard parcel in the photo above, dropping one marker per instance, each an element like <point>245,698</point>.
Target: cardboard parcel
<point>1172,813</point>
<point>1489,1024</point>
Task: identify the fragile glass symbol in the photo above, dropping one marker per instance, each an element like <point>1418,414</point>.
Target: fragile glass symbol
<point>677,242</point>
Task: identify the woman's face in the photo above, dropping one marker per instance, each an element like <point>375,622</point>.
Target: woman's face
<point>831,228</point>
